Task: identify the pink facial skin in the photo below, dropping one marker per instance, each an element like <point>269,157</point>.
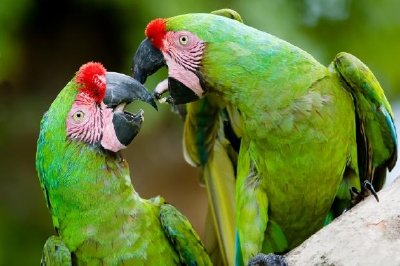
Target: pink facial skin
<point>110,141</point>
<point>92,123</point>
<point>183,52</point>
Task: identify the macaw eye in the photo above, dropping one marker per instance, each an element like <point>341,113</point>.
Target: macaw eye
<point>78,116</point>
<point>184,40</point>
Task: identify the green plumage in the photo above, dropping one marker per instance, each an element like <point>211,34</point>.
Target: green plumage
<point>375,118</point>
<point>206,146</point>
<point>308,133</point>
<point>98,216</point>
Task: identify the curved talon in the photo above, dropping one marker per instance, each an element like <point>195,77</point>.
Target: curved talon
<point>368,186</point>
<point>267,260</point>
<point>366,189</point>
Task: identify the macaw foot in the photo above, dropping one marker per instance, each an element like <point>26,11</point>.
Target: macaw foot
<point>267,260</point>
<point>366,189</point>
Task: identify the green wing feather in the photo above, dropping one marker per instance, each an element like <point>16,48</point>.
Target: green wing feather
<point>219,175</point>
<point>200,130</point>
<point>55,252</point>
<point>376,136</point>
<point>183,237</point>
<point>206,146</point>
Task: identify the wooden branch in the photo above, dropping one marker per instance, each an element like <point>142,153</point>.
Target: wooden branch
<point>368,234</point>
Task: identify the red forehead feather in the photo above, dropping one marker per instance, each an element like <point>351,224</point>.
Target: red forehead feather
<point>92,78</point>
<point>156,31</point>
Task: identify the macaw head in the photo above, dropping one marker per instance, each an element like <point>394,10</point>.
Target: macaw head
<point>90,109</point>
<point>182,43</point>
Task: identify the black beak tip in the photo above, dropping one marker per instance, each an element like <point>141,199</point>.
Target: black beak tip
<point>125,89</point>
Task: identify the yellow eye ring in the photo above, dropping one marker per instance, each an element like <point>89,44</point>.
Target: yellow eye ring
<point>184,40</point>
<point>78,116</point>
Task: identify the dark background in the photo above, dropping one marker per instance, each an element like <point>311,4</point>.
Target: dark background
<point>43,43</point>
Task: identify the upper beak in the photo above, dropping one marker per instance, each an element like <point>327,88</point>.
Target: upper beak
<point>120,91</point>
<point>121,88</point>
<point>146,61</point>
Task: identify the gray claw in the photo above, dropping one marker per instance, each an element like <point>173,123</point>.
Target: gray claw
<point>267,260</point>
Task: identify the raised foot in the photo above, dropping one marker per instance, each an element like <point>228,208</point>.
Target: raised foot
<point>267,260</point>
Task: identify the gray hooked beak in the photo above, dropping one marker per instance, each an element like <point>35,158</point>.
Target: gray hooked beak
<point>120,91</point>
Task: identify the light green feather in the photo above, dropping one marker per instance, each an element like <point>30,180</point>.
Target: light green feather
<point>180,232</point>
<point>205,146</point>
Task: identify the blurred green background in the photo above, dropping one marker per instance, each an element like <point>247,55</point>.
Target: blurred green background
<point>43,43</point>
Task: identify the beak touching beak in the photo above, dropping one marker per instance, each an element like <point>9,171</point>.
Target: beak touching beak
<point>147,60</point>
<point>124,89</point>
<point>121,90</point>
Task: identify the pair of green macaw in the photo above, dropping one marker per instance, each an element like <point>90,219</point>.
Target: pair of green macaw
<point>284,143</point>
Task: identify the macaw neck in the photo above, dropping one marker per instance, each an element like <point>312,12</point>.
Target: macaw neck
<point>87,186</point>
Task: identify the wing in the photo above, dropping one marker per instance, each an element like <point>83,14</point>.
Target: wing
<point>211,143</point>
<point>55,253</point>
<point>182,236</point>
<point>256,231</point>
<point>376,132</point>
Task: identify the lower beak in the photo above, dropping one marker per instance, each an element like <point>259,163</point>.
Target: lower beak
<point>127,126</point>
<point>179,93</point>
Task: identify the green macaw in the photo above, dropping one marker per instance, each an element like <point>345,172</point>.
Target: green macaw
<point>308,133</point>
<point>98,217</point>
